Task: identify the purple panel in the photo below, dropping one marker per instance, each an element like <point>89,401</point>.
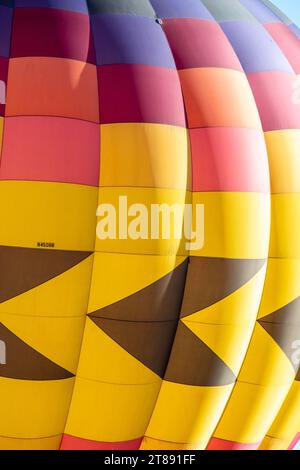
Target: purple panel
<point>72,5</point>
<point>295,30</point>
<point>130,39</point>
<point>5,30</point>
<point>255,48</point>
<point>181,9</point>
<point>260,11</point>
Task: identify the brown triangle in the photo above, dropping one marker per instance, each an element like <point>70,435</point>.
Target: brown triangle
<point>192,362</point>
<point>285,336</point>
<point>289,314</point>
<point>298,375</point>
<point>161,301</point>
<point>149,342</point>
<point>210,280</point>
<point>25,363</point>
<point>283,326</point>
<point>22,269</point>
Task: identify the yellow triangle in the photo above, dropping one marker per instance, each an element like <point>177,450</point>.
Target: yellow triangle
<point>266,363</point>
<point>239,308</point>
<point>65,295</point>
<point>117,276</point>
<point>58,339</point>
<point>282,285</point>
<point>229,342</point>
<point>103,360</point>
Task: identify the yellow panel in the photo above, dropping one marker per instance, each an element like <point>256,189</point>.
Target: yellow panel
<point>266,363</point>
<point>65,295</point>
<point>229,342</point>
<point>103,359</point>
<point>117,276</point>
<point>239,308</point>
<point>146,155</point>
<point>58,213</point>
<point>47,443</point>
<point>110,413</point>
<point>236,224</point>
<point>145,197</point>
<point>59,339</point>
<point>250,412</point>
<point>34,409</point>
<point>284,158</point>
<point>187,414</point>
<point>226,326</point>
<point>154,444</point>
<point>287,423</point>
<point>285,227</point>
<point>282,285</point>
<point>270,443</point>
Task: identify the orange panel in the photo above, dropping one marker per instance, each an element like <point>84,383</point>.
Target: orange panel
<point>207,93</point>
<point>52,87</point>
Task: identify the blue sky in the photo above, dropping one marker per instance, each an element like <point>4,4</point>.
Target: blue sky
<point>291,8</point>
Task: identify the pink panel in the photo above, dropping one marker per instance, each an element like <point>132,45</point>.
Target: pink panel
<point>295,442</point>
<point>288,43</point>
<point>276,99</point>
<point>220,444</point>
<point>51,149</point>
<point>199,43</point>
<point>229,159</point>
<point>75,443</point>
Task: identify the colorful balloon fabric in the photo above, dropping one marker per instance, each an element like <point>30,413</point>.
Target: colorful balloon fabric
<point>140,344</point>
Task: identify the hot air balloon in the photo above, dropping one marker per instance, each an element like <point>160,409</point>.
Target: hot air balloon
<point>117,341</point>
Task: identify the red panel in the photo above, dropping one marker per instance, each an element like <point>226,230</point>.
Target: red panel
<point>140,93</point>
<point>288,43</point>
<point>220,444</point>
<point>51,33</point>
<point>229,159</point>
<point>199,43</point>
<point>273,92</point>
<point>75,443</point>
<point>51,149</point>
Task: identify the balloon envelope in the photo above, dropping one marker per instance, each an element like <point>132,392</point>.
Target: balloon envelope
<point>113,334</point>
